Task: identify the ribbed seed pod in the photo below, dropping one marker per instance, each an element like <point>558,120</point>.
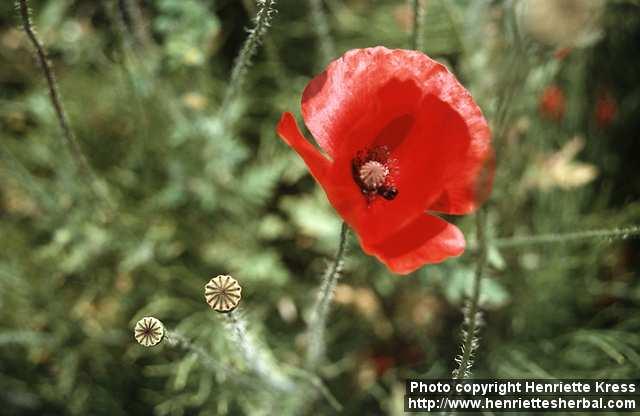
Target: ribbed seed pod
<point>223,293</point>
<point>149,331</point>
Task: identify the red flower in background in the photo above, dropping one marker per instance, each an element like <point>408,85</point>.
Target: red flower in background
<point>562,53</point>
<point>403,138</point>
<point>606,109</point>
<point>552,103</point>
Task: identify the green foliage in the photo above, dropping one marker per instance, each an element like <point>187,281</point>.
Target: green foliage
<point>188,30</point>
<point>201,189</point>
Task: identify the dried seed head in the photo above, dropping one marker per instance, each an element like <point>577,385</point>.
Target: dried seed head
<point>223,293</point>
<point>373,174</point>
<point>149,331</point>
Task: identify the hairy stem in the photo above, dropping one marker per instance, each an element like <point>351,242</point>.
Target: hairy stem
<point>321,27</point>
<point>317,384</point>
<point>254,356</point>
<point>176,339</point>
<point>472,317</point>
<point>264,15</point>
<point>56,100</point>
<point>316,345</point>
<point>605,234</point>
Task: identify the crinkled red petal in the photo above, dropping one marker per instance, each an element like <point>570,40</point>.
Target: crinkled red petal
<point>468,191</point>
<point>426,240</point>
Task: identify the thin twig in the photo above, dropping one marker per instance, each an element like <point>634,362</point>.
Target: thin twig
<point>56,100</point>
<point>315,346</point>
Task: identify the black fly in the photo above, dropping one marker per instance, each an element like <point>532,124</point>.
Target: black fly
<point>388,192</point>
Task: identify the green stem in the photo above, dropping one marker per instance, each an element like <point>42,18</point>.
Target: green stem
<point>176,339</point>
<point>616,233</point>
<point>316,344</point>
<point>417,34</point>
<point>58,106</point>
<point>317,384</point>
<point>255,357</point>
<point>264,15</point>
<point>472,313</point>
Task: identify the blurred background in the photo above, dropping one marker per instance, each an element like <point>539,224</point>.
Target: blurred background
<point>199,185</point>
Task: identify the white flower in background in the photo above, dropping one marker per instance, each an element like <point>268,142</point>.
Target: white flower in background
<point>559,170</point>
<point>563,23</point>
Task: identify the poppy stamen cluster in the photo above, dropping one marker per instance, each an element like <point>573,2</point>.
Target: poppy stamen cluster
<point>374,172</point>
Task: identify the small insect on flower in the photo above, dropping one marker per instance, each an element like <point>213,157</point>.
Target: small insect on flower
<point>223,293</point>
<point>401,140</point>
<point>149,331</point>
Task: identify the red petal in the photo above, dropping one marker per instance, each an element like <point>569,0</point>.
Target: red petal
<point>289,132</point>
<point>345,196</point>
<point>414,106</point>
<point>468,191</point>
<point>426,240</point>
<point>348,103</point>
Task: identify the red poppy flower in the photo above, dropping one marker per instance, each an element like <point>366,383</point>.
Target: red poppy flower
<point>552,103</point>
<point>402,138</point>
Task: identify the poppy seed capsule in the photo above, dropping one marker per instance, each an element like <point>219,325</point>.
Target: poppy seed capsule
<point>149,331</point>
<point>373,174</point>
<point>223,293</point>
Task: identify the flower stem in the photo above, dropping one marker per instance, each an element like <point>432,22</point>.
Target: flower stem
<point>417,34</point>
<point>611,234</point>
<point>264,15</point>
<point>254,356</point>
<point>472,316</point>
<point>315,382</point>
<point>316,345</point>
<point>176,339</point>
<point>69,136</point>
